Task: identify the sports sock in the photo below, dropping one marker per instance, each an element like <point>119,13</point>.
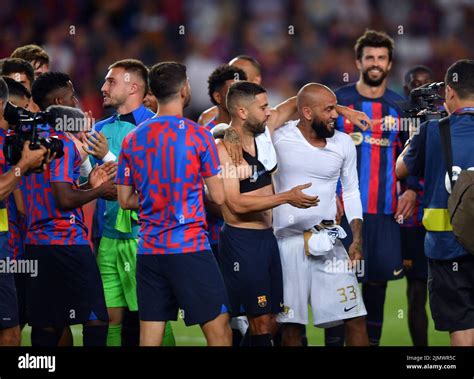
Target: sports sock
<point>374,299</point>
<point>114,335</point>
<point>417,317</point>
<point>334,336</point>
<point>95,335</point>
<point>261,340</point>
<point>44,337</point>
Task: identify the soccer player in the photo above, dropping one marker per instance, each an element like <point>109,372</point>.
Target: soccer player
<point>253,73</point>
<point>9,180</point>
<point>34,54</point>
<point>412,232</point>
<point>248,251</point>
<point>310,149</point>
<point>22,71</point>
<point>162,165</point>
<point>219,81</point>
<point>377,149</point>
<point>68,288</point>
<point>124,90</point>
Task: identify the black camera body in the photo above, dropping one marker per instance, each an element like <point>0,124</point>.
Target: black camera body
<point>424,103</point>
<point>25,128</point>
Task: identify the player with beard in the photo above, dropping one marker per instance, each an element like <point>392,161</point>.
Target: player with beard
<point>310,149</point>
<point>377,149</point>
<point>163,166</point>
<point>248,251</point>
<point>124,89</point>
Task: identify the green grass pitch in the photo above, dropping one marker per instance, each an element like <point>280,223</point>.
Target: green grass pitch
<point>395,328</point>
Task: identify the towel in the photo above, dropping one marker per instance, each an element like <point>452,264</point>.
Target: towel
<point>266,152</point>
<point>124,220</point>
<point>320,239</point>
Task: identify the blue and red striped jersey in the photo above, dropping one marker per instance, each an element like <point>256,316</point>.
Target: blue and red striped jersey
<point>417,218</point>
<point>165,159</point>
<point>377,147</point>
<point>214,224</point>
<point>3,205</point>
<point>47,223</point>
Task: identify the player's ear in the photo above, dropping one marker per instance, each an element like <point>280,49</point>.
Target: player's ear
<point>307,113</point>
<point>358,63</point>
<point>389,67</point>
<point>242,113</point>
<point>217,97</point>
<point>133,88</point>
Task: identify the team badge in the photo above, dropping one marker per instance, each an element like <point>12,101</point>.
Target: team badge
<point>262,301</point>
<point>356,138</point>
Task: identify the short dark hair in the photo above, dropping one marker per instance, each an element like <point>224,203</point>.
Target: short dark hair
<point>250,59</point>
<point>133,66</point>
<point>13,65</point>
<point>372,38</point>
<point>412,71</point>
<point>222,74</point>
<point>460,77</point>
<point>166,79</point>
<point>45,84</point>
<point>242,91</point>
<point>3,91</point>
<point>31,53</point>
<point>16,88</point>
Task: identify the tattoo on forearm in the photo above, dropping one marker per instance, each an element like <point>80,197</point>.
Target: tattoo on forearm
<point>356,226</point>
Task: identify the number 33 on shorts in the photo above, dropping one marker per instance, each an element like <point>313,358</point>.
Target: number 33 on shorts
<point>350,291</point>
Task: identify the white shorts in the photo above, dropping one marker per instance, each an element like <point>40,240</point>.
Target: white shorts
<point>323,281</point>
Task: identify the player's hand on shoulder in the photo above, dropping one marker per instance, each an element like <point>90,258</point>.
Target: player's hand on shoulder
<point>233,145</point>
<point>298,199</point>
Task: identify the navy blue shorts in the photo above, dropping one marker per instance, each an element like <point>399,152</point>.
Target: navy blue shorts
<point>20,284</point>
<point>451,293</point>
<point>251,266</point>
<point>381,248</point>
<point>412,242</point>
<point>68,288</point>
<point>8,302</point>
<point>191,282</point>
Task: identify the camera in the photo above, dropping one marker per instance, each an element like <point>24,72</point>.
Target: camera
<point>424,103</point>
<point>25,128</point>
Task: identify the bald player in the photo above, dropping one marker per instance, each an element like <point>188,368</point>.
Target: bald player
<point>310,150</point>
<point>253,72</point>
<point>248,252</point>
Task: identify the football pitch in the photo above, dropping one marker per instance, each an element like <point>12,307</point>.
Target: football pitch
<point>395,328</point>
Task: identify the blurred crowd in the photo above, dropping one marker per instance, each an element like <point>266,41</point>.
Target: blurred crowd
<point>296,41</point>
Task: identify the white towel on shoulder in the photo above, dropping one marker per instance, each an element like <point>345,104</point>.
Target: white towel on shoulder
<point>266,152</point>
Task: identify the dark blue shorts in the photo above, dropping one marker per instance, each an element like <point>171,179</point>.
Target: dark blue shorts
<point>68,288</point>
<point>20,284</point>
<point>251,266</point>
<point>382,251</point>
<point>191,282</point>
<point>451,293</point>
<point>8,302</point>
<point>412,242</point>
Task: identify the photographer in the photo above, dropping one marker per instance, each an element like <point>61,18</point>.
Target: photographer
<point>450,280</point>
<point>9,179</point>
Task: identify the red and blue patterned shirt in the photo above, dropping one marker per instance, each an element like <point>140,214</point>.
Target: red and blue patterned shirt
<point>165,159</point>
